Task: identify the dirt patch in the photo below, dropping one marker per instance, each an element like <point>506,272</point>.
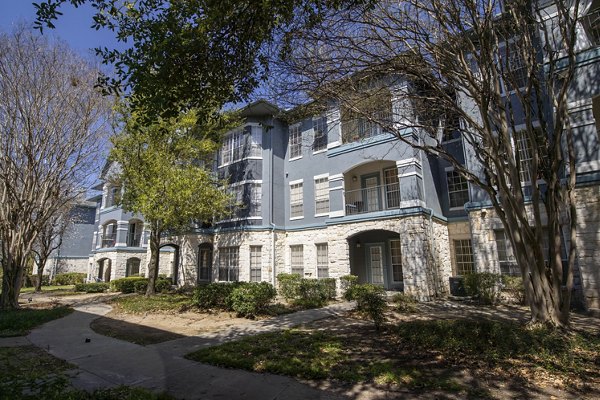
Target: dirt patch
<point>156,327</point>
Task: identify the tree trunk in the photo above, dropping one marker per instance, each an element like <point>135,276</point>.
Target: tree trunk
<point>11,284</point>
<point>40,274</point>
<point>154,261</point>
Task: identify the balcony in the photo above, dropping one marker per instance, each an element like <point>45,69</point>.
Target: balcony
<point>372,199</point>
<point>591,24</point>
<point>109,240</point>
<point>134,239</point>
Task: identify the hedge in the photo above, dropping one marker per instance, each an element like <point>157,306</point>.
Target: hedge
<point>94,287</point>
<point>69,278</point>
<point>126,285</point>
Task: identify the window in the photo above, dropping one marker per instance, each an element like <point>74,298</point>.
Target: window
<point>229,264</point>
<point>134,234</point>
<point>322,261</point>
<point>296,207</point>
<point>295,146</point>
<point>246,200</point>
<point>133,267</point>
<point>516,70</point>
<point>523,146</point>
<point>392,187</point>
<point>241,144</point>
<point>508,265</point>
<point>113,197</point>
<point>591,23</point>
<point>255,263</point>
<point>297,260</point>
<point>463,256</point>
<point>458,189</point>
<point>109,234</point>
<point>367,117</point>
<point>396,257</point>
<point>322,196</point>
<point>596,112</point>
<point>320,134</point>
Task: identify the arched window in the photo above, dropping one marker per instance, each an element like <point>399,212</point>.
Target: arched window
<point>133,267</point>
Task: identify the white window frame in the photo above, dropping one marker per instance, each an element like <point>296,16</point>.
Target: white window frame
<point>255,264</point>
<point>229,260</point>
<point>321,195</point>
<point>463,256</point>
<point>322,251</point>
<point>241,144</point>
<point>297,259</point>
<point>396,262</point>
<point>457,179</point>
<point>295,142</point>
<point>296,199</point>
<point>319,134</point>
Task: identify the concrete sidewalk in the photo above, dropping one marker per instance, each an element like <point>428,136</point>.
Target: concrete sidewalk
<point>107,362</point>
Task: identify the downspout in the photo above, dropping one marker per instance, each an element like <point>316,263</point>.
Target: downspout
<point>271,223</point>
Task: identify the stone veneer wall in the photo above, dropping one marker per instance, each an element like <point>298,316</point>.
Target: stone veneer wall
<point>65,264</point>
<point>483,223</point>
<point>118,263</point>
<point>588,243</point>
<point>425,251</point>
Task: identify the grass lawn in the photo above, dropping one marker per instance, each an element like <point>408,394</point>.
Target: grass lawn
<point>421,355</point>
<point>52,288</point>
<point>140,304</point>
<point>20,322</point>
<point>29,373</point>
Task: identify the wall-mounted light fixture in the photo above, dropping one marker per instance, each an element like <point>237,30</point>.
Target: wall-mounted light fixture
<point>358,244</point>
<point>354,178</point>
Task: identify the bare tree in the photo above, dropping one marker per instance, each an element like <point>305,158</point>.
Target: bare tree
<point>49,240</point>
<point>498,75</point>
<point>53,123</point>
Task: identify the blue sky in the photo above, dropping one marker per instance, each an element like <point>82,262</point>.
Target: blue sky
<point>73,26</point>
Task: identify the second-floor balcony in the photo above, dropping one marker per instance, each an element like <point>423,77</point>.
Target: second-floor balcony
<point>108,240</point>
<point>134,239</point>
<point>372,199</point>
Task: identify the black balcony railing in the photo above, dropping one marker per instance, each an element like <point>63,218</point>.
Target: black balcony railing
<point>134,239</point>
<point>109,240</point>
<point>372,199</point>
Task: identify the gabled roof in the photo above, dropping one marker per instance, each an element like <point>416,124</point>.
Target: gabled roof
<point>259,108</point>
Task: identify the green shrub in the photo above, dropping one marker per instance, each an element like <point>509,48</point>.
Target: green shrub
<point>370,300</point>
<point>484,286</point>
<point>140,286</point>
<point>289,286</point>
<point>94,287</point>
<point>163,285</point>
<point>405,303</point>
<point>346,284</point>
<point>329,287</point>
<point>215,295</point>
<point>126,285</point>
<point>312,293</point>
<point>513,286</point>
<point>251,299</point>
<point>69,278</point>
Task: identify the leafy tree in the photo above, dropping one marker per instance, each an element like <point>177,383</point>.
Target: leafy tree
<point>53,123</point>
<point>166,174</point>
<point>499,74</point>
<point>187,54</point>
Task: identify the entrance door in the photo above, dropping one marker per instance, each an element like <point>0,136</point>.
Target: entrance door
<point>375,263</point>
<point>370,185</point>
<point>204,264</point>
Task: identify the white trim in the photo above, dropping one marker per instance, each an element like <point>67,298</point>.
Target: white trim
<point>412,203</point>
<point>297,181</point>
<point>321,176</point>
<point>409,174</point>
<point>295,158</point>
<point>336,188</point>
<point>296,218</point>
<point>322,215</point>
<point>240,183</point>
<point>331,145</point>
<point>320,151</point>
<point>407,162</point>
<point>338,213</point>
<point>456,208</point>
<point>336,177</point>
<point>240,219</point>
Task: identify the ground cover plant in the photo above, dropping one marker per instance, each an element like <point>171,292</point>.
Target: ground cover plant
<point>423,355</point>
<point>29,373</point>
<point>139,304</point>
<point>19,322</point>
<point>50,288</point>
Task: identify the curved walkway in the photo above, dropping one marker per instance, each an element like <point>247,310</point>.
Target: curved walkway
<point>107,362</point>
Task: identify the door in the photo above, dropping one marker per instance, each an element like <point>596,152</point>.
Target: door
<point>204,264</point>
<point>375,260</point>
<point>370,186</point>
